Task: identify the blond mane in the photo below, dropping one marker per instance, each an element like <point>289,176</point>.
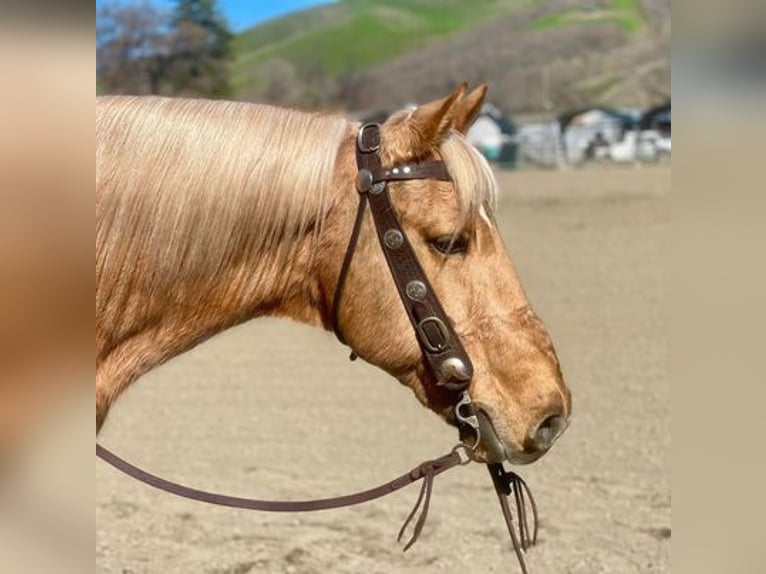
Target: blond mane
<point>186,187</point>
<point>472,176</point>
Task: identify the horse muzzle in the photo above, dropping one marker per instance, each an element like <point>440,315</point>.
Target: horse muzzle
<point>492,449</point>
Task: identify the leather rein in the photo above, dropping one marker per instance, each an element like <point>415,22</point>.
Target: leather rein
<point>444,356</point>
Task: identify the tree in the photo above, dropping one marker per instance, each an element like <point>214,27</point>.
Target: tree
<point>131,47</point>
<point>201,46</point>
<point>143,50</point>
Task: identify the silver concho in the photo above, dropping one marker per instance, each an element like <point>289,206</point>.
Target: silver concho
<point>453,368</point>
<point>363,180</point>
<point>393,239</point>
<point>415,290</point>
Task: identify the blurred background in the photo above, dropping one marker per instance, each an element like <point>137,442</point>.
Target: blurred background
<point>591,246</point>
<point>571,81</point>
<point>578,129</point>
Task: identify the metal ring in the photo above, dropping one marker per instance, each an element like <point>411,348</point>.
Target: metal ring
<point>464,452</point>
<point>472,421</point>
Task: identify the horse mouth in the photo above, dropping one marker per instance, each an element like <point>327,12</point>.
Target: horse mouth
<point>491,448</point>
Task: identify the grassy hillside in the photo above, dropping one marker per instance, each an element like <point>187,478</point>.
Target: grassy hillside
<point>626,13</point>
<point>354,35</point>
<point>535,54</point>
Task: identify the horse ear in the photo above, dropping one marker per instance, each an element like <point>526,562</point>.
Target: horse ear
<point>428,124</point>
<point>468,108</point>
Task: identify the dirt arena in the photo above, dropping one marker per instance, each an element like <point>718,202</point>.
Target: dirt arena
<point>240,414</point>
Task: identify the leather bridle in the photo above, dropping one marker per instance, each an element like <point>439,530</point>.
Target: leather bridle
<point>443,353</point>
<point>444,356</point>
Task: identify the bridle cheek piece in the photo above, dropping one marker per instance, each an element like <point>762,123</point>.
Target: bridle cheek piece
<point>443,353</point>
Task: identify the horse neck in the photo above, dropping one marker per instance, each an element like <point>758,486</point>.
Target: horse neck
<point>143,321</point>
<point>150,328</point>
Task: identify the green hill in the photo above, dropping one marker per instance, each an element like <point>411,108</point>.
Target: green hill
<point>353,35</point>
<point>535,54</point>
<point>626,13</point>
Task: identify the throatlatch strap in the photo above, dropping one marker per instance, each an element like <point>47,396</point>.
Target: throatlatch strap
<point>346,265</point>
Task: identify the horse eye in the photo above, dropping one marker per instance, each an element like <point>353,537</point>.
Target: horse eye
<point>450,245</point>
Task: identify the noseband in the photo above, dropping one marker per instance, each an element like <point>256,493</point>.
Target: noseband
<point>444,354</point>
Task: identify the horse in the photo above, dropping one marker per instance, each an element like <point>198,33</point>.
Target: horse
<point>212,213</point>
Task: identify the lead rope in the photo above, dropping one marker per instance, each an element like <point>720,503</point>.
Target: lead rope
<point>505,483</point>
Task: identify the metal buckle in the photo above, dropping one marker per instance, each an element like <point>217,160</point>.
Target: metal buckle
<point>430,346</point>
<point>360,144</point>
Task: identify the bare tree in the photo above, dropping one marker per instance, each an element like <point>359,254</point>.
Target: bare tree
<point>141,49</point>
<point>201,48</point>
<point>131,47</point>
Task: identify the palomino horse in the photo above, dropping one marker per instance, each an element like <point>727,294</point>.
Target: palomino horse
<point>211,213</point>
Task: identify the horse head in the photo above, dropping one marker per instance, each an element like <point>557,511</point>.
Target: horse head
<point>517,389</point>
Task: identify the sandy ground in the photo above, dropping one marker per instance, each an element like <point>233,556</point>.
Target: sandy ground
<point>239,414</point>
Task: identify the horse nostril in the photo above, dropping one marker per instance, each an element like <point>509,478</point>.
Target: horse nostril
<point>547,432</point>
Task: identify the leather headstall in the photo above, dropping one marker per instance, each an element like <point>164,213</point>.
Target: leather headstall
<point>444,354</point>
